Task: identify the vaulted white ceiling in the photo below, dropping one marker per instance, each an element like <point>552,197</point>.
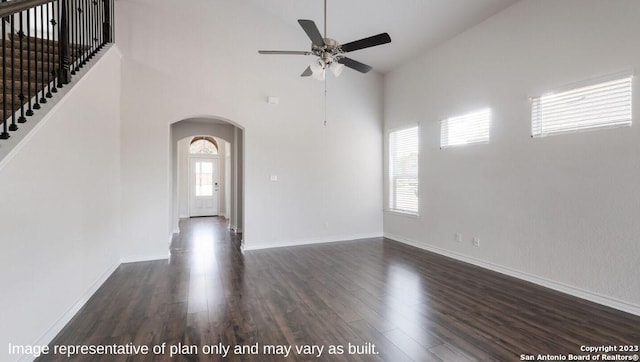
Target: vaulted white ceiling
<point>414,25</point>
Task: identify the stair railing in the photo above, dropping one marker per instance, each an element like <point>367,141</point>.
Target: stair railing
<point>45,43</point>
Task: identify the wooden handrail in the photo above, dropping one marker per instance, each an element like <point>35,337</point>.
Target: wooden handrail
<point>9,8</point>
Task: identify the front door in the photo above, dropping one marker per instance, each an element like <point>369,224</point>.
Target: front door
<point>204,178</point>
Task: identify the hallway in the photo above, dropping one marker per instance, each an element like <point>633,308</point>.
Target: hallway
<point>410,304</point>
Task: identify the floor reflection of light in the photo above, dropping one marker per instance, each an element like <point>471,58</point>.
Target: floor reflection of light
<point>405,299</point>
<point>211,253</point>
<point>203,257</point>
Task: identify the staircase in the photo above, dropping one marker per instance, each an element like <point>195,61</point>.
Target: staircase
<point>29,69</point>
<point>44,43</point>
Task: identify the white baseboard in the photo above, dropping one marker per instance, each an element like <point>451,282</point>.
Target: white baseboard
<point>137,259</point>
<point>53,331</point>
<point>561,287</point>
<point>328,239</point>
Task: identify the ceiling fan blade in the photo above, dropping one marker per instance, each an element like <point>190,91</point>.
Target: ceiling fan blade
<point>291,52</point>
<point>369,42</point>
<point>312,31</point>
<point>307,72</point>
<point>354,64</point>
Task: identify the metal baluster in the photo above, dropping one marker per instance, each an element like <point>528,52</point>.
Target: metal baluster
<point>43,99</point>
<point>83,33</point>
<point>98,25</point>
<point>89,36</point>
<point>52,34</point>
<point>94,22</point>
<point>104,8</point>
<point>106,26</point>
<point>63,44</point>
<point>13,126</point>
<point>21,96</point>
<point>87,32</point>
<point>100,22</point>
<point>4,135</point>
<point>105,30</point>
<point>76,36</point>
<point>60,60</point>
<point>72,36</point>
<point>48,32</point>
<point>90,27</point>
<point>36,105</point>
<point>29,111</point>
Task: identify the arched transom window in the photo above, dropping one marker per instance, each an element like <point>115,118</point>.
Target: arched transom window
<point>203,145</point>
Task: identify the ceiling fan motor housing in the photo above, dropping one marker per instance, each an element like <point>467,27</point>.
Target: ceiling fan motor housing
<point>329,52</point>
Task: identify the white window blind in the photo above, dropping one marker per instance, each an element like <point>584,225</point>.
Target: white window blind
<point>469,128</point>
<point>596,105</point>
<point>403,170</point>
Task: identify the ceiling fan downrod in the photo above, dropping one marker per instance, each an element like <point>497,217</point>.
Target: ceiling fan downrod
<point>325,19</point>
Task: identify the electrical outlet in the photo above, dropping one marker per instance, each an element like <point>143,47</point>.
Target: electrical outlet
<point>476,242</point>
<point>458,237</point>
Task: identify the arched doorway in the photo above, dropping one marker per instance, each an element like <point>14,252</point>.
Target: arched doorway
<point>208,138</point>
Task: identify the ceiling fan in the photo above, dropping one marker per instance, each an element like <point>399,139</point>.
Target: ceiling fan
<point>331,54</point>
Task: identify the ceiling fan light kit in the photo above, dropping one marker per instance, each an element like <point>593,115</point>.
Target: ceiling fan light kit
<point>319,66</point>
<point>331,54</point>
<point>336,69</point>
<point>317,69</point>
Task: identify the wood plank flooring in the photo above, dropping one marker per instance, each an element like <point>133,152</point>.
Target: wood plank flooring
<point>411,304</point>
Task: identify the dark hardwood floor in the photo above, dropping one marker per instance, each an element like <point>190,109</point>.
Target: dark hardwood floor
<point>410,304</point>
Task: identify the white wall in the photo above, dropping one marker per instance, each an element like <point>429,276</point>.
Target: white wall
<point>59,205</point>
<point>330,178</point>
<point>561,210</point>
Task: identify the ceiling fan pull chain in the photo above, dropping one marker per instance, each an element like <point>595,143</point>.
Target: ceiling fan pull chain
<point>325,102</point>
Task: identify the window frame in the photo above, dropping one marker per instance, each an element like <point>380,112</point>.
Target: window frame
<point>445,124</point>
<point>209,139</point>
<point>537,130</point>
<point>391,192</point>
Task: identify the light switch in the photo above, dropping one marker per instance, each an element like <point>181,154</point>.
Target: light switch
<point>274,177</point>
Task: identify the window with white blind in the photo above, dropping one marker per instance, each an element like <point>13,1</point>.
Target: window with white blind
<point>469,128</point>
<point>597,104</point>
<point>403,170</point>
